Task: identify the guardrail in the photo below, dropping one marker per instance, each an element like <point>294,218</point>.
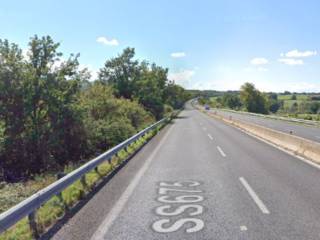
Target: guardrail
<point>29,206</point>
<point>295,120</point>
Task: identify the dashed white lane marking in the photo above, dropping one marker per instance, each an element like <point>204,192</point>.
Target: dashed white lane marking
<point>254,196</point>
<point>204,129</point>
<point>210,136</point>
<point>221,151</point>
<point>116,210</point>
<point>243,228</point>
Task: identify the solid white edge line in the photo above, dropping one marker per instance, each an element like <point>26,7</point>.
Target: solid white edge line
<point>254,196</point>
<point>116,210</point>
<point>221,151</point>
<point>210,136</point>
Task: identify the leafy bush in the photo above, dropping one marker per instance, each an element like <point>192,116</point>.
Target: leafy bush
<point>109,120</point>
<point>52,115</point>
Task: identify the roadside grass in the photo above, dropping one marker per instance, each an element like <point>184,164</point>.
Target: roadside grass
<point>13,193</point>
<point>54,209</point>
<point>308,116</point>
<point>304,116</point>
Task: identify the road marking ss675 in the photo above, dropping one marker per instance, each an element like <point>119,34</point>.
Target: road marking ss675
<point>180,198</point>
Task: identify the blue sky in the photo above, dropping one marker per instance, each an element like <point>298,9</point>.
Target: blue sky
<point>205,44</point>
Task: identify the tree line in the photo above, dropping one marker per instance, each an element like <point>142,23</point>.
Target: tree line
<point>53,114</point>
<point>249,98</point>
<point>252,100</point>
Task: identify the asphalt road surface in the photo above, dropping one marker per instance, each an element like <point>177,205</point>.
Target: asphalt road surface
<point>301,130</point>
<point>202,179</point>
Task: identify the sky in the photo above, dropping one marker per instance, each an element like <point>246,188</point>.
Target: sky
<point>206,44</point>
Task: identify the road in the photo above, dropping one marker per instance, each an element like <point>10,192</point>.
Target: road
<point>301,130</point>
<point>202,179</point>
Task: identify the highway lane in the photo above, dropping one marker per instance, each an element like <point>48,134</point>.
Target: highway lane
<point>238,188</point>
<point>301,130</point>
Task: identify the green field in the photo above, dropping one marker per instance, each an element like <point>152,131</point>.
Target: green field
<point>289,96</point>
<point>287,108</point>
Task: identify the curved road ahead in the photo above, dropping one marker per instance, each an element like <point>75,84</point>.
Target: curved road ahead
<point>202,179</point>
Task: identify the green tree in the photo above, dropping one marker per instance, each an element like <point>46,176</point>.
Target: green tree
<point>53,129</point>
<point>273,103</point>
<point>253,99</point>
<point>149,88</point>
<point>121,72</point>
<point>147,83</point>
<point>51,114</point>
<point>294,107</point>
<point>176,95</point>
<point>109,120</point>
<point>273,96</point>
<point>231,101</point>
<point>315,107</point>
<point>12,74</point>
<point>42,127</point>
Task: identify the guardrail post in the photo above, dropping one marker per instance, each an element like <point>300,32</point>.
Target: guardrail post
<point>96,169</point>
<point>156,130</point>
<point>59,195</point>
<point>110,163</point>
<point>33,224</point>
<point>118,158</point>
<point>84,182</point>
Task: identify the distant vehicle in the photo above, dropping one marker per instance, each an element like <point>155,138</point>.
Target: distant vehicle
<point>206,107</point>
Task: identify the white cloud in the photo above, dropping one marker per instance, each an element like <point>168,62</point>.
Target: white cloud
<point>108,42</point>
<point>182,77</point>
<point>297,54</point>
<point>259,61</point>
<point>262,69</point>
<point>291,61</point>
<point>178,54</point>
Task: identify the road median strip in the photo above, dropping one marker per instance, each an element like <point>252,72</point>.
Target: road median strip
<point>296,145</point>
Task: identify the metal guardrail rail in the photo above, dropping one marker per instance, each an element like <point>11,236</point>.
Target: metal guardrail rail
<point>32,203</point>
<point>295,120</point>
